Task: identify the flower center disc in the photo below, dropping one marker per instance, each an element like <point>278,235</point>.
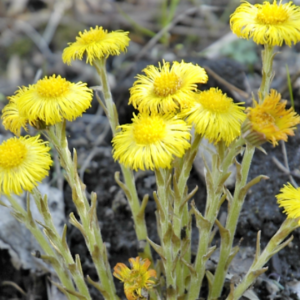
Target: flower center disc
<point>136,279</point>
<point>92,36</point>
<point>149,131</point>
<point>12,153</point>
<point>167,84</point>
<point>52,87</point>
<point>264,119</point>
<point>272,14</point>
<point>215,102</point>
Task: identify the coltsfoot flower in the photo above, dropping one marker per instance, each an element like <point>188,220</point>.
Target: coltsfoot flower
<point>96,44</point>
<point>289,199</point>
<point>215,116</point>
<point>151,142</point>
<point>51,100</point>
<point>12,120</point>
<point>24,162</point>
<point>269,121</point>
<point>267,23</point>
<point>137,280</point>
<point>167,88</point>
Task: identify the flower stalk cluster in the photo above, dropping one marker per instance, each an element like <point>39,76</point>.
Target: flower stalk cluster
<point>50,255</point>
<point>89,225</point>
<point>174,116</point>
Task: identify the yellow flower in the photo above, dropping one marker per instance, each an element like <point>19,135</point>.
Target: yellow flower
<point>166,89</point>
<point>215,116</point>
<point>150,142</point>
<point>267,23</point>
<point>12,120</point>
<point>270,121</point>
<point>137,280</point>
<point>51,100</point>
<point>289,199</point>
<point>95,44</point>
<point>24,162</point>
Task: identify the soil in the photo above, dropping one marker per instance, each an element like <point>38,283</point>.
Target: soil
<point>260,210</point>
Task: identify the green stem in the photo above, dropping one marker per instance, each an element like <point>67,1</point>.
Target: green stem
<point>139,222</point>
<point>236,206</point>
<point>172,10</point>
<point>289,83</point>
<point>267,73</point>
<point>56,134</point>
<point>166,232</point>
<point>274,245</point>
<point>109,103</point>
<point>59,243</point>
<point>90,229</point>
<point>181,220</point>
<point>168,13</point>
<point>211,212</point>
<point>184,174</point>
<point>232,220</point>
<point>204,238</point>
<point>40,238</point>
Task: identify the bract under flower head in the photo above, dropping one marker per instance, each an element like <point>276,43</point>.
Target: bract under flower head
<point>289,199</point>
<point>51,100</point>
<point>96,44</point>
<point>270,120</point>
<point>24,162</point>
<point>267,23</point>
<point>215,116</point>
<point>167,88</point>
<point>151,142</point>
<point>137,280</point>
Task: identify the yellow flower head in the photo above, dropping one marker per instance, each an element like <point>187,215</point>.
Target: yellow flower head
<point>215,116</point>
<point>289,199</point>
<point>137,280</point>
<point>267,23</point>
<point>270,121</point>
<point>166,88</point>
<point>12,120</point>
<point>95,44</point>
<point>24,162</point>
<point>51,100</point>
<point>150,142</point>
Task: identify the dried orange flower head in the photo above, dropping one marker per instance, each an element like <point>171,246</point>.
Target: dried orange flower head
<point>267,23</point>
<point>270,121</point>
<point>137,280</point>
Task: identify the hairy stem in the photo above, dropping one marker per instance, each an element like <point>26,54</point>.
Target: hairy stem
<point>134,203</point>
<point>89,226</point>
<point>232,219</point>
<point>41,239</point>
